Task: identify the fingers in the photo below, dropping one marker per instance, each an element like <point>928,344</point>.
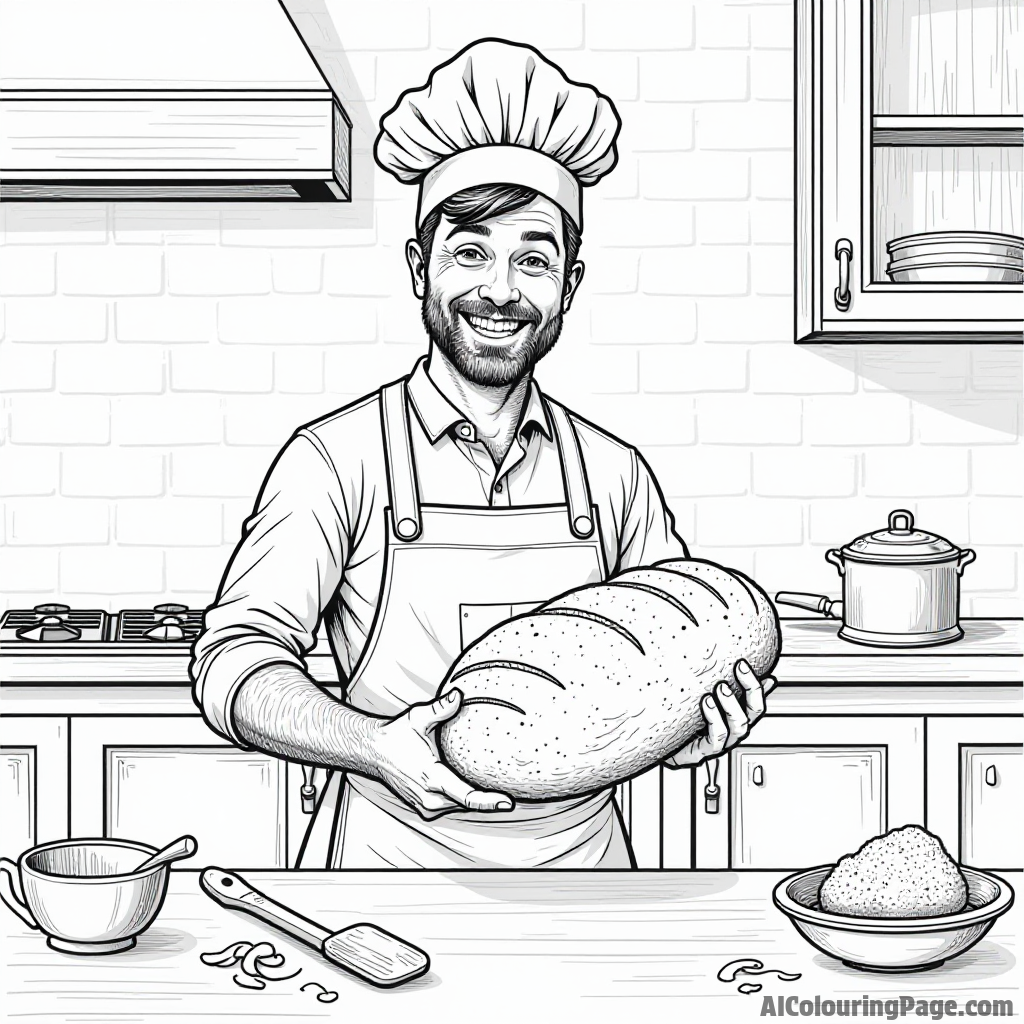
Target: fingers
<point>735,716</point>
<point>754,690</point>
<point>428,716</point>
<point>718,728</point>
<point>450,793</point>
<point>753,693</point>
<point>460,791</point>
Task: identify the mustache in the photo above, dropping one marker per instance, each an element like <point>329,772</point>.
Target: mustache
<point>512,311</point>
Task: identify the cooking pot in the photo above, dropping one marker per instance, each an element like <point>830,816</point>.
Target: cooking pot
<point>901,586</point>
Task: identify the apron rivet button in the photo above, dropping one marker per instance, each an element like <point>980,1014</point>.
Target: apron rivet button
<point>583,525</point>
<point>406,528</point>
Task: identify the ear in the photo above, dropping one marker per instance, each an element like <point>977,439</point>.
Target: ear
<point>417,267</point>
<point>572,282</point>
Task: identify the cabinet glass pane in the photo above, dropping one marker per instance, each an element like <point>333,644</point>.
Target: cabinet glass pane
<point>920,189</point>
<point>947,57</point>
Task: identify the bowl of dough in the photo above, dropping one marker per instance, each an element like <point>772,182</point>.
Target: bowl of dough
<point>900,903</point>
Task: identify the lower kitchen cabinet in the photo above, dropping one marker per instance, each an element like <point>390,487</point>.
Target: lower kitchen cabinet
<point>976,789</point>
<point>154,779</point>
<point>806,791</point>
<point>33,782</point>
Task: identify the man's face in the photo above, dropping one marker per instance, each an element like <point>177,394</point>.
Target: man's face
<point>494,292</point>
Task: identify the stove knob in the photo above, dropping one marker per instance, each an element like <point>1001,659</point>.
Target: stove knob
<point>171,609</point>
<point>51,609</point>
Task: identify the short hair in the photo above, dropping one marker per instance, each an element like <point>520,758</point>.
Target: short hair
<point>472,205</point>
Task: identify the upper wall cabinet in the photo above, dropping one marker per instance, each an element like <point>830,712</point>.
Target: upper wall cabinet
<point>165,100</point>
<point>908,170</point>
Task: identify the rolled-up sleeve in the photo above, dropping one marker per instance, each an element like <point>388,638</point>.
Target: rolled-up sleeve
<point>286,568</point>
<point>648,529</point>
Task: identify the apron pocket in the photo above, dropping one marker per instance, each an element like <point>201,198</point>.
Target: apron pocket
<point>477,619</point>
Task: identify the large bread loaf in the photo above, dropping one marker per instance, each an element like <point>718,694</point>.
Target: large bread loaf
<point>605,681</point>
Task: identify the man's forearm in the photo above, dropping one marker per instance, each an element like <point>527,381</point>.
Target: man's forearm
<point>280,710</point>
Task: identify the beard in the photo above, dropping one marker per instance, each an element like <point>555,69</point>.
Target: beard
<point>483,364</point>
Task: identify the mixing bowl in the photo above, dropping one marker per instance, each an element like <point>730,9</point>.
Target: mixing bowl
<point>85,894</point>
<point>892,944</point>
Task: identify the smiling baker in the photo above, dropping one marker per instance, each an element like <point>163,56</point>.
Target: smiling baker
<point>422,515</point>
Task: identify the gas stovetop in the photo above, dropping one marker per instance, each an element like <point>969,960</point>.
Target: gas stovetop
<point>164,624</point>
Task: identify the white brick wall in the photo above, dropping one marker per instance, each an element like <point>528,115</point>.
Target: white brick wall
<point>154,357</point>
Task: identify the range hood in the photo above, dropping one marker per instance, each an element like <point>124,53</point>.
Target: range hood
<point>165,99</point>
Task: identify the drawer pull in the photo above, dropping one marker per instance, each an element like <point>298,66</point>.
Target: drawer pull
<point>757,775</point>
<point>844,253</point>
<point>712,791</point>
<point>308,789</point>
<point>990,775</point>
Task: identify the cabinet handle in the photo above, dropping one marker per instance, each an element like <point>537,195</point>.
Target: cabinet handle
<point>990,775</point>
<point>712,791</point>
<point>308,789</point>
<point>844,253</point>
<point>757,776</point>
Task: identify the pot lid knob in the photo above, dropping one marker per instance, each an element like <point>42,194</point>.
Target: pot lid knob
<point>901,521</point>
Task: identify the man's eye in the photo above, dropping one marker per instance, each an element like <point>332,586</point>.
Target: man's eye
<point>534,262</point>
<point>470,256</point>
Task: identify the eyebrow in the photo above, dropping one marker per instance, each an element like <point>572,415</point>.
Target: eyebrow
<point>541,236</point>
<point>473,229</point>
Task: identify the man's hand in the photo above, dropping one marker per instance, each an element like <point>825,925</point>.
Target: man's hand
<point>407,761</point>
<point>728,721</point>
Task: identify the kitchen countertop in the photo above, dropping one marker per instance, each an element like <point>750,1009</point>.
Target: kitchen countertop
<point>503,945</point>
<point>989,653</point>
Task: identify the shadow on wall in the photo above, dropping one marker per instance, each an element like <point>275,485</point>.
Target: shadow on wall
<point>979,383</point>
<point>319,33</point>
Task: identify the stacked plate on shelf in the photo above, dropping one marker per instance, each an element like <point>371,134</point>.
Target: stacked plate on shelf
<point>957,257</point>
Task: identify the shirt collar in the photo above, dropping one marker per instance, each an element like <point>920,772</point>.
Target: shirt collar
<point>439,417</point>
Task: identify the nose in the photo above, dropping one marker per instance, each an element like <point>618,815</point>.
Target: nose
<point>500,291</point>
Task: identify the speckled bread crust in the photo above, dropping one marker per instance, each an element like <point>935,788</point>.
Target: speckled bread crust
<point>905,873</point>
<point>604,681</point>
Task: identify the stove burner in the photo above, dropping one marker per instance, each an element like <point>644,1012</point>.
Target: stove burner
<point>170,627</point>
<point>50,628</point>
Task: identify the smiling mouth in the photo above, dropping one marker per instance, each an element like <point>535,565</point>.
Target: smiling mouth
<point>494,328</point>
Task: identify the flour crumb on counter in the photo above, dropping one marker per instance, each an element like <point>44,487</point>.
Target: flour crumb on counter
<point>260,963</point>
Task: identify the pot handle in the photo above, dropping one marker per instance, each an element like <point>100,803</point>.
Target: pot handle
<point>966,557</point>
<point>11,893</point>
<point>833,556</point>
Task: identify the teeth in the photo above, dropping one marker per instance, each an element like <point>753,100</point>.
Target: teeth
<point>499,326</point>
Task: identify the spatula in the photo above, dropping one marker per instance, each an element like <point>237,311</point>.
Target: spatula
<point>369,952</point>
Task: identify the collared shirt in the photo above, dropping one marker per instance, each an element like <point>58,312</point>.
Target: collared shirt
<point>314,547</point>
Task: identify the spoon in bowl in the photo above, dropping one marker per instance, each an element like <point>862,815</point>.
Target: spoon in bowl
<point>178,850</point>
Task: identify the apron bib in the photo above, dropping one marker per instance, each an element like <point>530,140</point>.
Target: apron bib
<point>451,574</point>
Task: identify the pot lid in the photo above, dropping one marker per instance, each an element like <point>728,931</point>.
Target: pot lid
<point>901,542</point>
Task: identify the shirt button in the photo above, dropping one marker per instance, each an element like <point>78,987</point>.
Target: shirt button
<point>497,487</point>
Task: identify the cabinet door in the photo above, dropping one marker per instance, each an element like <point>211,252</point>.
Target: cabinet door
<point>991,798</point>
<point>908,125</point>
<point>804,790</point>
<point>33,782</point>
<point>821,801</point>
<point>975,788</point>
<point>154,779</point>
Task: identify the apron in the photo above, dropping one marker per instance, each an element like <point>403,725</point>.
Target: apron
<point>451,574</point>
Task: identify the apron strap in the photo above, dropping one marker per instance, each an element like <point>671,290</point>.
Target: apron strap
<point>402,488</point>
<point>577,490</point>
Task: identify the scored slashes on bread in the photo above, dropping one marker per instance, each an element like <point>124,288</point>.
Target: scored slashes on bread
<point>606,680</point>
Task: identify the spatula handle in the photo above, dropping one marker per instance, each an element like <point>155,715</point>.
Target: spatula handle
<point>233,891</point>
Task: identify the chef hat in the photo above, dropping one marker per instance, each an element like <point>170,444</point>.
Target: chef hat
<point>499,113</point>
